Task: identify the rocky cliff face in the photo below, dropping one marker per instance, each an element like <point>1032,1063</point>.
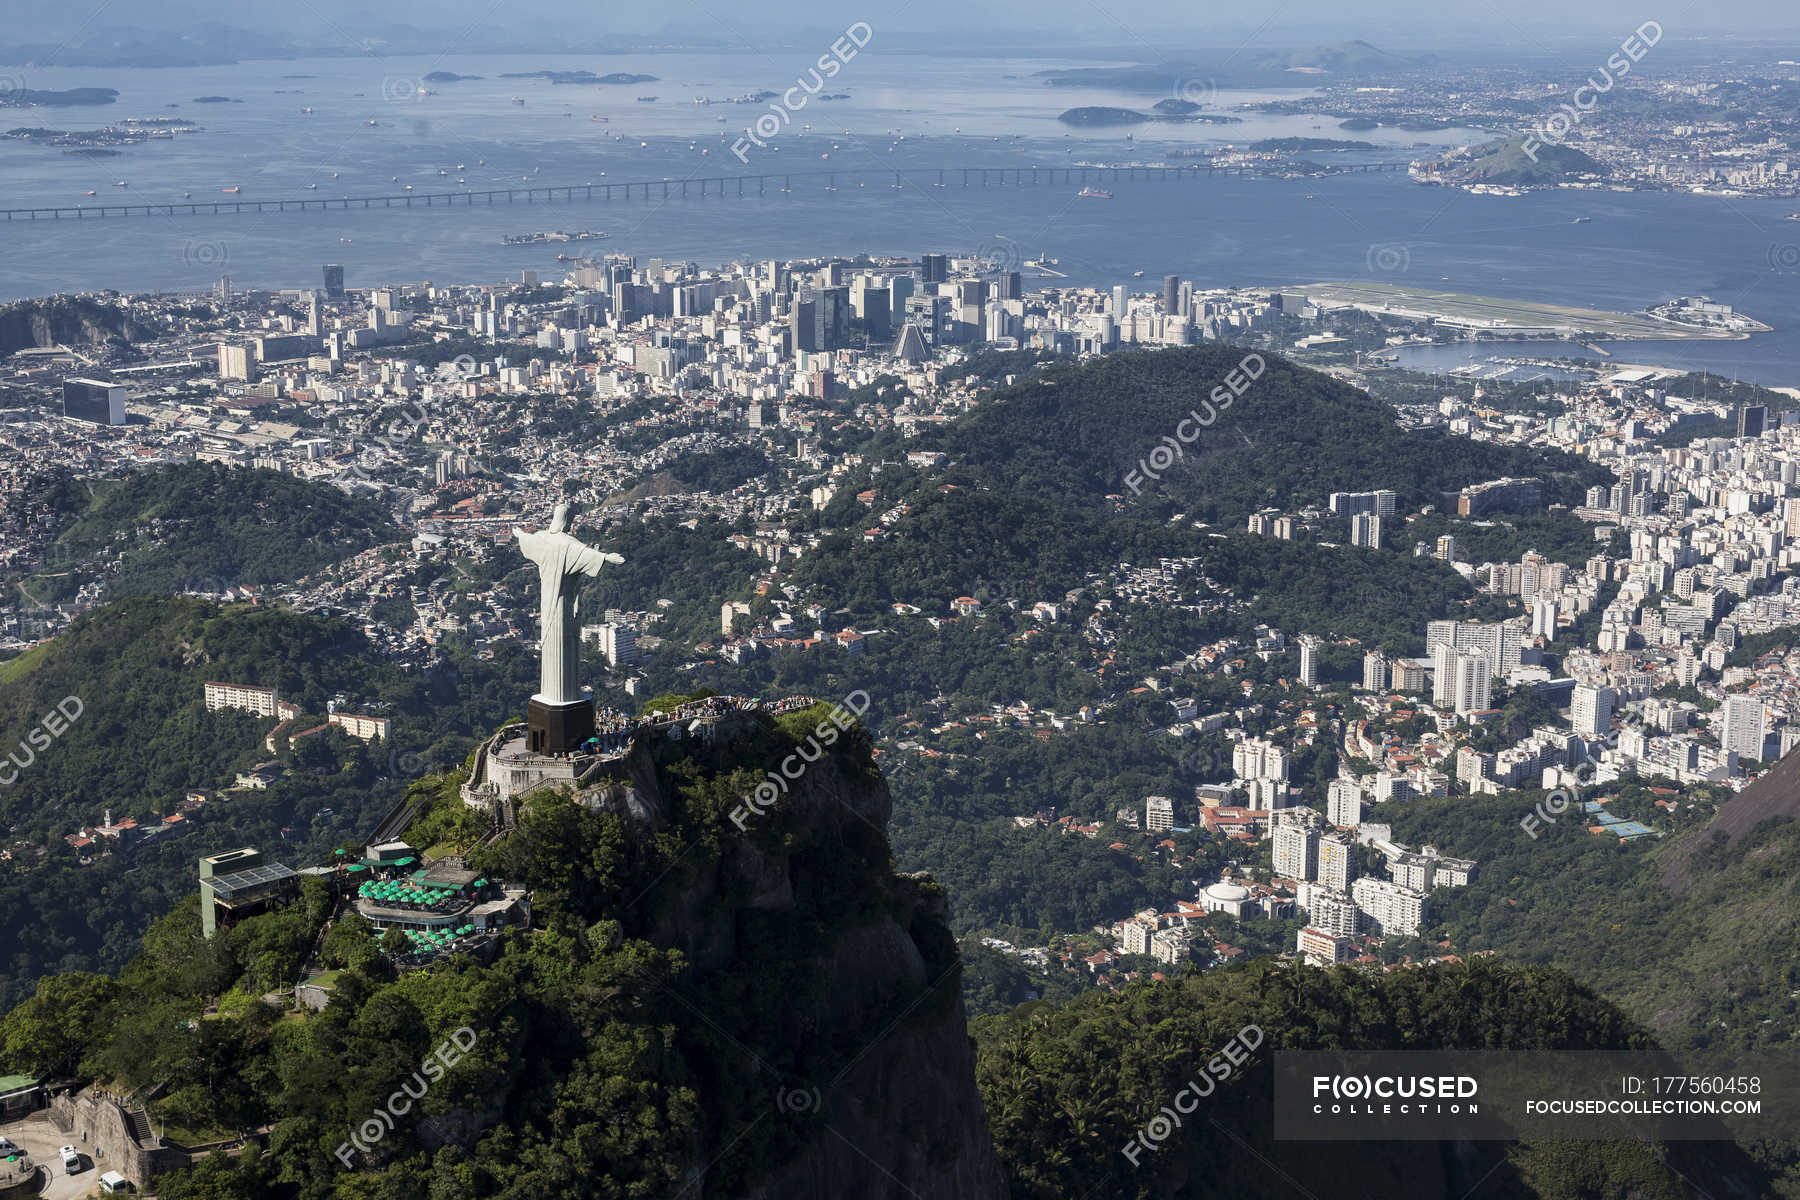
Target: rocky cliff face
<point>864,1054</point>
<point>65,321</point>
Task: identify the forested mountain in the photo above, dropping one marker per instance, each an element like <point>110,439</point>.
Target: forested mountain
<point>205,527</point>
<point>1036,494</point>
<point>1292,437</point>
<point>760,1012</point>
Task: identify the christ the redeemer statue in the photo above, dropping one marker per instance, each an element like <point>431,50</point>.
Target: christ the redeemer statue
<point>560,718</point>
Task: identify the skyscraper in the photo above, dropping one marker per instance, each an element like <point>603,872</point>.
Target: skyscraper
<point>235,362</point>
<point>1745,726</point>
<point>803,323</point>
<point>1344,802</point>
<point>1543,617</point>
<point>933,268</point>
<point>94,400</point>
<point>1309,662</point>
<point>1172,295</point>
<point>1336,862</point>
<point>1752,420</point>
<point>1375,672</point>
<point>1590,711</point>
<point>334,281</point>
<point>1474,683</point>
<point>1296,852</point>
<point>1443,675</point>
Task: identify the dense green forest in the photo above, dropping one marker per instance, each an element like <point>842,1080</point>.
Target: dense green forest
<point>696,569</point>
<point>1291,438</point>
<point>205,527</point>
<point>1066,1087</point>
<point>1714,967</point>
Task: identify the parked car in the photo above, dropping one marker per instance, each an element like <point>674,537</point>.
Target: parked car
<point>71,1159</point>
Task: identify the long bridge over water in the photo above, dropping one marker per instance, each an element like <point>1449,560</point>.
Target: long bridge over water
<point>713,186</point>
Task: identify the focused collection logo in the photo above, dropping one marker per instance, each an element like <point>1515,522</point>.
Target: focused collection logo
<point>1394,1095</point>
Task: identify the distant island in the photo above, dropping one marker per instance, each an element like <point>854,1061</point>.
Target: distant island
<point>580,77</point>
<point>1099,115</point>
<point>28,97</point>
<point>1308,143</point>
<point>1360,124</point>
<point>216,100</point>
<point>1507,163</point>
<point>126,133</point>
<point>447,77</point>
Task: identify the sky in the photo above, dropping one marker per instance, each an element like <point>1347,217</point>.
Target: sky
<point>1398,23</point>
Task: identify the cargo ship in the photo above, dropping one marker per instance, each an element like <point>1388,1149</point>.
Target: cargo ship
<point>1093,193</point>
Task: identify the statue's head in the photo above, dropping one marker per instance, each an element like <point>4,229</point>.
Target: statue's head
<point>559,520</point>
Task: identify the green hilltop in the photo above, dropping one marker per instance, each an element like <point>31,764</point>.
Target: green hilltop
<point>206,527</point>
<point>1506,161</point>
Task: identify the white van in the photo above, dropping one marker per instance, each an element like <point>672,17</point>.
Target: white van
<point>112,1181</point>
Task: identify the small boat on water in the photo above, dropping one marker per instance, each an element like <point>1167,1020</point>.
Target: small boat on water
<point>1094,193</point>
<point>91,192</point>
<point>231,191</point>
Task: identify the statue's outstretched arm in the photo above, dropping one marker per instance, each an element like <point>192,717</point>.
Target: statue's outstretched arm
<point>589,561</point>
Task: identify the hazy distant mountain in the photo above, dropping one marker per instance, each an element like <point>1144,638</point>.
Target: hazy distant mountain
<point>1185,77</point>
<point>134,46</point>
<point>1354,57</point>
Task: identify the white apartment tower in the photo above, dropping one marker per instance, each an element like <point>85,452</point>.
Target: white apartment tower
<point>1746,725</point>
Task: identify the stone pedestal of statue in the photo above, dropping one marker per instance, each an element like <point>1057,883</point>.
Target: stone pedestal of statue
<point>558,728</point>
